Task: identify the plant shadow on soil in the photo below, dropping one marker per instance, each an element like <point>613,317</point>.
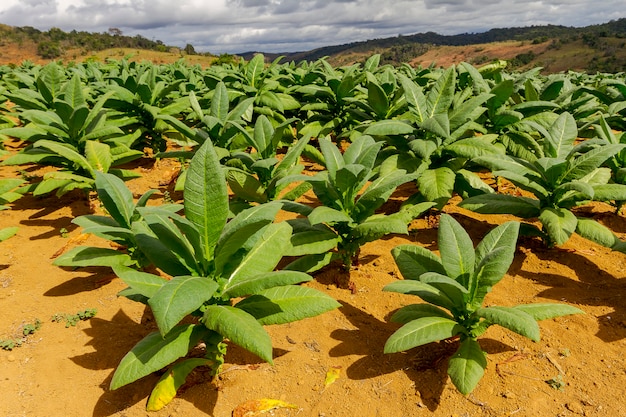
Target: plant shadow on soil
<point>98,277</point>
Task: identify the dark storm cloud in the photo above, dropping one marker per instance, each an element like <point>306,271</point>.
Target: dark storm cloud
<point>290,25</point>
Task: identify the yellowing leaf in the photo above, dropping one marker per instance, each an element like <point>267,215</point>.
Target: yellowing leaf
<point>253,408</point>
<point>332,375</point>
<point>165,390</point>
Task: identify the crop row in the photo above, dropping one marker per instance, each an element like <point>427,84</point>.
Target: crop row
<point>247,127</point>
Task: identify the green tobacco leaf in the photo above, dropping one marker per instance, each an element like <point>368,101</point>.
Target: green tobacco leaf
<point>219,102</point>
<point>376,227</point>
<point>562,134</point>
<point>502,236</point>
<point>312,240</point>
<point>467,366</point>
<point>116,198</point>
<point>66,152</point>
<point>8,232</point>
<point>257,283</point>
<point>596,232</point>
<point>415,97</point>
<point>455,247</point>
<point>328,215</point>
<point>502,204</point>
<point>376,97</point>
<point>439,125</point>
<point>513,319</point>
<point>441,94</point>
<point>414,260</point>
<point>420,332</point>
<point>437,184</point>
<point>388,128</point>
<point>173,238</point>
<point>426,292</point>
<point>245,186</point>
<point>588,162</point>
<point>332,157</point>
<point>415,311</point>
<point>81,256</point>
<point>266,253</point>
<point>286,304</point>
<point>559,224</point>
<point>179,297</point>
<point>311,263</point>
<point>165,390</point>
<point>154,352</point>
<point>448,286</point>
<point>206,196</point>
<point>609,192</point>
<point>544,311</point>
<point>241,328</point>
<point>472,147</point>
<point>141,282</point>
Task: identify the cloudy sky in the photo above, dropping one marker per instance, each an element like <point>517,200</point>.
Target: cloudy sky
<point>236,26</point>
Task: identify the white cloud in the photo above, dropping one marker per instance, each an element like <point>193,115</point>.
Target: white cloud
<point>294,25</point>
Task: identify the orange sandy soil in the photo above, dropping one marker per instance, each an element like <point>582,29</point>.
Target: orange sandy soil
<point>61,371</point>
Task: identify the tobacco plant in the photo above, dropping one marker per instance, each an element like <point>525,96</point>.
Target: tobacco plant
<point>226,283</point>
<point>565,177</point>
<point>454,285</point>
<point>351,191</point>
<point>436,138</point>
<point>124,226</point>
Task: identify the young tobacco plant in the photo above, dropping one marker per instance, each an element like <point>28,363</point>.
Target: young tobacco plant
<point>224,279</point>
<point>124,226</point>
<point>566,176</point>
<point>350,190</point>
<point>454,285</point>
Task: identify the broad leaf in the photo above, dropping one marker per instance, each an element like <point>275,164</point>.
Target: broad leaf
<point>241,328</point>
<point>414,260</point>
<point>544,311</point>
<point>502,204</point>
<point>437,184</point>
<point>455,247</point>
<point>206,196</point>
<point>513,319</point>
<point>415,311</point>
<point>421,331</point>
<point>559,224</point>
<point>82,256</point>
<point>154,352</point>
<point>141,282</point>
<point>116,198</point>
<point>265,254</point>
<point>257,283</point>
<point>179,297</point>
<point>596,232</point>
<point>287,304</point>
<point>467,366</point>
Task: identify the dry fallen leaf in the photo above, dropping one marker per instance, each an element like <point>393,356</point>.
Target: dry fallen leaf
<point>253,408</point>
<point>332,375</point>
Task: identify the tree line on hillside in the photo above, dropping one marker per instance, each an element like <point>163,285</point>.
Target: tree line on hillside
<point>52,43</point>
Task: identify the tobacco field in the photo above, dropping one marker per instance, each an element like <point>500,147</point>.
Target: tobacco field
<point>303,239</point>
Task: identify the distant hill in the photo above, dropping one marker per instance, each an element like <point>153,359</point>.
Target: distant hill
<point>595,48</point>
<point>556,48</point>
